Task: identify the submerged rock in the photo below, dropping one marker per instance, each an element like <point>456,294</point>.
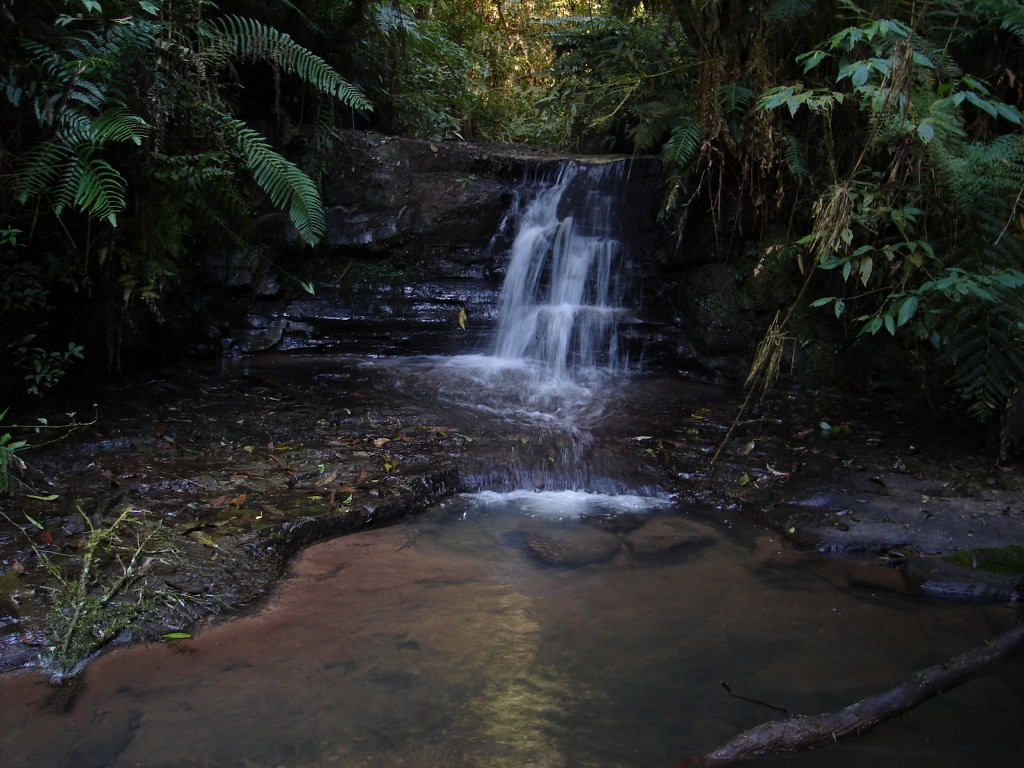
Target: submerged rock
<point>663,535</point>
<point>571,544</point>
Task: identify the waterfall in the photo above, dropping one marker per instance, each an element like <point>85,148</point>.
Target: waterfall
<point>561,301</point>
<point>557,352</point>
<point>550,380</point>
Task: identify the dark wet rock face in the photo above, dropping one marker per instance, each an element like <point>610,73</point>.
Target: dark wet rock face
<point>414,255</point>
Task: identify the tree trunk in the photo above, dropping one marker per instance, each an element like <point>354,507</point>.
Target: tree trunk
<point>800,732</point>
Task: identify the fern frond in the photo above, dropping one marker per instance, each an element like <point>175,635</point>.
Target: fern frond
<point>794,156</point>
<point>118,124</point>
<point>734,97</point>
<point>684,144</point>
<point>39,168</point>
<point>247,38</point>
<point>988,361</point>
<point>389,19</point>
<point>100,189</point>
<point>287,186</point>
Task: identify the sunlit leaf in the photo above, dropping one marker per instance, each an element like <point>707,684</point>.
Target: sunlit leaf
<point>176,636</point>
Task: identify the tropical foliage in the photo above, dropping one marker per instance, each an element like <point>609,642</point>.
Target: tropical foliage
<point>875,146</point>
<point>124,137</point>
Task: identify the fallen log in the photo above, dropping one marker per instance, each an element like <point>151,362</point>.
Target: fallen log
<point>807,732</point>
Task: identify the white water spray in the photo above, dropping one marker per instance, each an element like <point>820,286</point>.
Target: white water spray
<point>561,301</point>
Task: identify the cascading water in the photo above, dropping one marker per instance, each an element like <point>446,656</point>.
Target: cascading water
<point>556,358</point>
<point>562,297</point>
<point>557,344</point>
<point>557,341</point>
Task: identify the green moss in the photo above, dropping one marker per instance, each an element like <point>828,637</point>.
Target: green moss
<point>1008,560</point>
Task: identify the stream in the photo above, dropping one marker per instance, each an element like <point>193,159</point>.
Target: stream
<point>444,641</point>
<point>571,611</point>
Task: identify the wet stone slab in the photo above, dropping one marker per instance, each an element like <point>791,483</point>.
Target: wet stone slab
<point>235,467</point>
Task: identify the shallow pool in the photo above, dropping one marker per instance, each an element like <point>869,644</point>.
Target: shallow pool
<point>455,639</point>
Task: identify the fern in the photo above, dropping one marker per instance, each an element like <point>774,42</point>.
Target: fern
<point>99,189</point>
<point>684,144</point>
<point>793,153</point>
<point>287,186</point>
<point>39,168</point>
<point>984,333</point>
<point>984,347</point>
<point>118,124</point>
<point>247,38</point>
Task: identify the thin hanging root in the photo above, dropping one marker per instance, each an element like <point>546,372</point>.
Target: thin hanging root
<point>767,361</point>
<point>764,369</point>
<point>831,223</point>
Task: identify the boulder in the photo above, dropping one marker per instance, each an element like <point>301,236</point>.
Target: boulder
<point>571,544</point>
<point>662,535</point>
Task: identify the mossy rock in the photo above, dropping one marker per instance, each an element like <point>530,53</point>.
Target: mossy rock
<point>1007,560</point>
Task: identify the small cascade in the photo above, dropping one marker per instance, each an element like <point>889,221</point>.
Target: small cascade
<point>561,301</point>
<point>550,383</point>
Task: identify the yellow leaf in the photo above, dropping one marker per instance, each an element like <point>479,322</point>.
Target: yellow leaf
<point>203,538</point>
<point>462,318</point>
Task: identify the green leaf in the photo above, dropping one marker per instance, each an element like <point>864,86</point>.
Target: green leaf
<point>981,104</point>
<point>1008,112</point>
<point>811,59</point>
<point>176,636</point>
<point>822,301</point>
<point>926,132</point>
<point>890,325</point>
<point>872,326</point>
<point>866,265</point>
<point>907,310</point>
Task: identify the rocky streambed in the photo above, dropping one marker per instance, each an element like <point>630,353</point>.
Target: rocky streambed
<point>219,473</point>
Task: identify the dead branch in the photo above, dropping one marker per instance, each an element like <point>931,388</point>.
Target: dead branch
<point>807,732</point>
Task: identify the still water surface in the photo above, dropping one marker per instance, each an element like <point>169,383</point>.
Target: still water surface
<point>443,641</point>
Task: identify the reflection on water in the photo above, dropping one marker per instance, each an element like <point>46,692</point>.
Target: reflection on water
<point>445,641</point>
